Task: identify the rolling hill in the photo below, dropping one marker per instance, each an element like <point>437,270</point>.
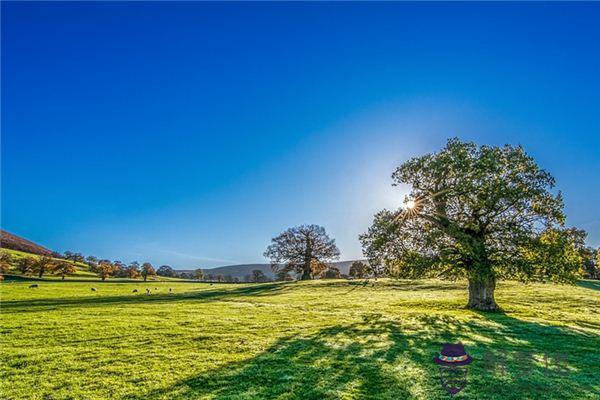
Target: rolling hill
<point>241,270</point>
<point>14,242</point>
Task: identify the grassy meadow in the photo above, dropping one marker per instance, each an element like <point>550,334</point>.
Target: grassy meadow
<point>304,340</point>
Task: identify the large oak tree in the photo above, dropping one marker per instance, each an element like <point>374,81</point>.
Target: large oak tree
<point>480,213</point>
<point>304,249</point>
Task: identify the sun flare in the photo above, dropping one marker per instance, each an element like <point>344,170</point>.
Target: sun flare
<point>410,204</point>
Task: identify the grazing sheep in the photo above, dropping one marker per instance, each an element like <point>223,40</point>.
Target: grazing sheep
<point>33,286</point>
<point>147,291</point>
<point>155,288</point>
<point>170,290</point>
<point>93,289</point>
<point>134,290</point>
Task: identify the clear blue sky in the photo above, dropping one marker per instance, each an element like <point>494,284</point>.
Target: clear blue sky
<point>192,133</point>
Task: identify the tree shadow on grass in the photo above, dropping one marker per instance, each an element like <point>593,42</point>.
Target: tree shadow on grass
<point>588,284</point>
<point>34,305</point>
<point>392,359</point>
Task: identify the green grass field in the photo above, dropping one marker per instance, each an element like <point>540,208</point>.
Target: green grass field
<point>313,340</point>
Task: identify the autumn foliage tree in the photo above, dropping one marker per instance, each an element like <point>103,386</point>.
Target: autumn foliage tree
<point>481,213</point>
<point>25,265</point>
<point>6,261</point>
<point>43,265</point>
<point>304,249</point>
<point>105,269</point>
<point>63,267</point>
<point>147,269</point>
<point>133,270</point>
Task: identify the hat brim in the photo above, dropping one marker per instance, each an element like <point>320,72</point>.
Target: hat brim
<point>469,360</point>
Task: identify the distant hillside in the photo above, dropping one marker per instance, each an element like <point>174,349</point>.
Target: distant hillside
<point>14,242</point>
<point>242,270</point>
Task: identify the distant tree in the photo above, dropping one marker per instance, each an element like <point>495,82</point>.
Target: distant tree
<point>228,278</point>
<point>76,257</point>
<point>120,270</point>
<point>6,261</point>
<point>185,275</point>
<point>44,264</point>
<point>480,213</point>
<point>220,278</point>
<point>93,266</point>
<point>91,260</point>
<point>198,274</point>
<point>133,270</point>
<point>588,255</point>
<point>552,255</point>
<point>147,269</point>
<point>165,270</point>
<point>63,267</point>
<point>283,275</point>
<point>304,249</point>
<point>105,269</point>
<point>210,277</point>
<point>597,264</point>
<point>25,265</point>
<point>236,279</point>
<point>258,276</point>
<point>588,267</point>
<point>331,273</point>
<point>248,278</point>
<point>359,270</point>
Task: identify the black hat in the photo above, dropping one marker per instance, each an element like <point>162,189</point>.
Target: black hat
<point>453,355</point>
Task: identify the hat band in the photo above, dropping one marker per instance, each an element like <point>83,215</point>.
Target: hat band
<point>453,359</point>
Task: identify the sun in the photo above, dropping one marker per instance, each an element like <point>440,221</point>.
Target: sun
<point>410,204</point>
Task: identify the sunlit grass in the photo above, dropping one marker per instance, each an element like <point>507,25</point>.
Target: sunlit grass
<point>310,340</point>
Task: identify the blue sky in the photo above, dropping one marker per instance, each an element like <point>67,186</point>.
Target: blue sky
<point>191,133</point>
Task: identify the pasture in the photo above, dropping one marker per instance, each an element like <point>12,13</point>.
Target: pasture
<point>305,340</point>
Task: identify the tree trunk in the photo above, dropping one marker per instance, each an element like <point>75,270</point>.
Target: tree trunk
<point>481,294</point>
<point>306,271</point>
<point>306,274</point>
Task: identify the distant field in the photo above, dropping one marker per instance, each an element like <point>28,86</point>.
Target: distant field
<point>313,340</point>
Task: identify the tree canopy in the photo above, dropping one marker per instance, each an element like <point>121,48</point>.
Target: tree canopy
<point>304,249</point>
<point>147,269</point>
<point>359,269</point>
<point>476,212</point>
<point>165,270</point>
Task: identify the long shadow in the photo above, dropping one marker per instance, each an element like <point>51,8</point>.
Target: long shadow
<point>532,360</point>
<point>384,359</point>
<point>139,298</point>
<point>588,284</point>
